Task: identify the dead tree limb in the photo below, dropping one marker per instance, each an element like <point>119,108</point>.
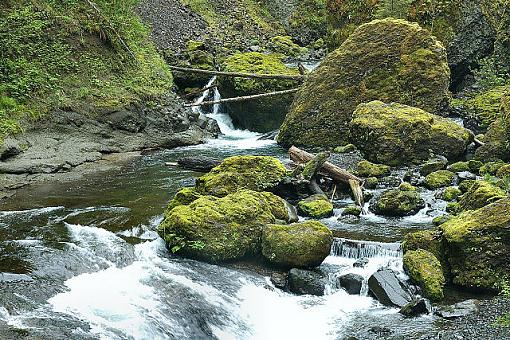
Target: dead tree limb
<point>238,74</point>
<point>243,98</point>
<point>337,174</point>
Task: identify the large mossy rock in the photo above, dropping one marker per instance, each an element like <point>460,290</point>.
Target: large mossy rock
<point>397,134</point>
<point>480,194</point>
<point>431,241</point>
<point>302,245</point>
<point>389,60</point>
<point>184,197</point>
<point>478,245</point>
<point>264,114</point>
<point>425,269</point>
<point>315,206</point>
<point>195,56</point>
<point>221,229</point>
<point>399,202</point>
<point>439,179</point>
<point>257,173</point>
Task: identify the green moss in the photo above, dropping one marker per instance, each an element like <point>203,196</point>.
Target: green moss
<point>478,245</point>
<point>304,244</point>
<point>459,167</point>
<point>432,165</point>
<point>453,208</point>
<point>221,229</point>
<point>184,196</point>
<point>464,186</point>
<point>285,46</point>
<point>484,106</point>
<point>504,320</point>
<point>316,206</point>
<point>474,165</point>
<point>480,194</point>
<point>242,172</point>
<point>424,268</point>
<point>308,20</point>
<point>438,220</point>
<point>451,193</point>
<point>406,187</point>
<point>398,202</point>
<point>371,183</point>
<point>62,54</point>
<point>398,134</point>
<point>345,149</point>
<point>389,55</point>
<point>439,179</point>
<point>352,210</point>
<point>369,169</point>
<point>504,171</point>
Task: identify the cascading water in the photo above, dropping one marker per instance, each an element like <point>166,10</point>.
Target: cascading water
<point>90,265</point>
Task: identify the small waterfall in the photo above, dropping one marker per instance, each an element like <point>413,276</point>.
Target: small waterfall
<point>354,249</point>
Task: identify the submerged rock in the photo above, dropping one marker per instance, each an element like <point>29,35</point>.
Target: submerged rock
<point>399,202</point>
<point>458,310</point>
<point>264,114</point>
<point>478,245</point>
<point>390,60</point>
<point>302,245</point>
<point>303,281</point>
<point>221,229</point>
<point>397,134</point>
<point>388,289</point>
<point>352,283</point>
<point>439,179</point>
<point>280,280</point>
<point>425,269</point>
<point>316,206</point>
<point>257,173</point>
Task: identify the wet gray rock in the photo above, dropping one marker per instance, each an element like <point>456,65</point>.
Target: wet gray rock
<point>12,277</point>
<point>279,280</point>
<point>352,283</point>
<point>417,307</point>
<point>438,163</point>
<point>466,175</point>
<point>388,289</point>
<point>10,148</point>
<point>458,310</point>
<point>361,263</point>
<point>302,281</point>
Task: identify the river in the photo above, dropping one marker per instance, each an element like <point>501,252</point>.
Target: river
<point>82,260</point>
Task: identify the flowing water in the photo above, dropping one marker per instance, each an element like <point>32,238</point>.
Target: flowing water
<point>83,261</point>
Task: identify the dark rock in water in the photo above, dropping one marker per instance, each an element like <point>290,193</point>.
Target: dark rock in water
<point>292,210</point>
<point>382,331</point>
<point>417,307</point>
<point>280,280</point>
<point>351,283</point>
<point>459,309</point>
<point>388,289</point>
<point>303,281</point>
<point>199,163</point>
<point>361,263</point>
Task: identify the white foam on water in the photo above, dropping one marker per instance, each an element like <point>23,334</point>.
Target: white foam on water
<point>32,212</point>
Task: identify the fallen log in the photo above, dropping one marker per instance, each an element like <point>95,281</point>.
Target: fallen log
<point>238,74</point>
<point>336,173</point>
<point>200,91</point>
<point>243,98</point>
<point>314,165</point>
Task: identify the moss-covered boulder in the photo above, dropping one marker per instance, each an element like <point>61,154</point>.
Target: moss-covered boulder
<point>285,46</point>
<point>491,168</point>
<point>397,134</point>
<point>264,114</point>
<point>183,197</point>
<point>504,171</point>
<point>399,202</point>
<point>352,210</point>
<point>221,229</point>
<point>459,167</point>
<point>257,173</point>
<point>195,56</point>
<point>369,169</point>
<point>301,245</point>
<point>478,245</point>
<point>425,269</point>
<point>432,165</point>
<point>389,60</point>
<point>439,179</point>
<point>450,194</point>
<point>315,206</point>
<point>431,241</point>
<point>480,194</point>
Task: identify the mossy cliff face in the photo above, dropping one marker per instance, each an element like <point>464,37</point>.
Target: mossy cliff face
<point>399,202</point>
<point>315,206</point>
<point>221,229</point>
<point>389,60</point>
<point>257,173</point>
<point>397,134</point>
<point>424,268</point>
<point>301,245</point>
<point>478,245</point>
<point>261,115</point>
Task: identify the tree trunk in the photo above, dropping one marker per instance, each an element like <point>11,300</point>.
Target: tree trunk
<point>243,98</point>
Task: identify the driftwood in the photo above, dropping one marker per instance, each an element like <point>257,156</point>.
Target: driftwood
<point>200,164</point>
<point>238,74</point>
<point>243,98</point>
<point>336,173</point>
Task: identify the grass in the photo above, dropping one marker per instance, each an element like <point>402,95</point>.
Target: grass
<point>64,54</point>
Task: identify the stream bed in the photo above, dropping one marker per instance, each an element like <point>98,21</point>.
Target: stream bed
<point>82,260</point>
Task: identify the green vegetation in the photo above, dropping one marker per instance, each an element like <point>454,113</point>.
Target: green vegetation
<point>242,172</point>
<point>316,206</point>
<point>451,193</point>
<point>369,169</point>
<point>480,194</point>
<point>403,201</point>
<point>285,46</point>
<point>185,196</point>
<point>63,53</point>
<point>424,268</point>
<point>439,179</point>
<point>304,244</point>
